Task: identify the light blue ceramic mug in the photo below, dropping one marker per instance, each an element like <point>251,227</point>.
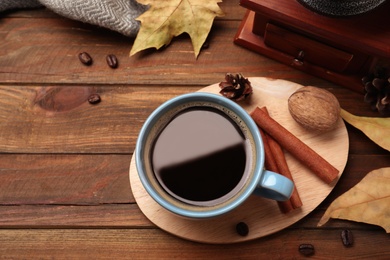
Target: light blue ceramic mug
<point>200,155</point>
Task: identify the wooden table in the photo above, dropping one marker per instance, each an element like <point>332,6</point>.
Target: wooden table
<point>64,163</point>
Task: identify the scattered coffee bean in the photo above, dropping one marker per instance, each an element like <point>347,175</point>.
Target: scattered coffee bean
<point>94,99</point>
<point>85,58</point>
<point>205,45</point>
<point>112,61</point>
<point>306,249</point>
<point>242,229</point>
<point>347,238</point>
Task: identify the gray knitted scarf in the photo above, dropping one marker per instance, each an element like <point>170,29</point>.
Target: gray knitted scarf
<point>116,15</point>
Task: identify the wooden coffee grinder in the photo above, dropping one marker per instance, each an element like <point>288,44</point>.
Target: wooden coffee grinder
<point>340,47</point>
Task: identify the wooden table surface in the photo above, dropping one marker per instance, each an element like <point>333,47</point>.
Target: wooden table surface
<point>64,163</point>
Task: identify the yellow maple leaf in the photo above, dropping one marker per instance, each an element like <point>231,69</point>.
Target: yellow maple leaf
<point>368,201</point>
<point>166,19</point>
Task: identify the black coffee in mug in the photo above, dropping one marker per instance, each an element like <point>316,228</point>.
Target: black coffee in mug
<point>201,155</point>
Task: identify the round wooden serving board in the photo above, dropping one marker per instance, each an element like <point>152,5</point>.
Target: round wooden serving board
<point>261,215</point>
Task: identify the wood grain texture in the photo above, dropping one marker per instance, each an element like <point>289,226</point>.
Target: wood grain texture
<point>62,120</point>
<point>51,56</point>
<point>64,187</point>
<point>156,244</point>
<point>64,180</point>
<point>73,216</point>
<point>37,206</point>
<point>58,119</point>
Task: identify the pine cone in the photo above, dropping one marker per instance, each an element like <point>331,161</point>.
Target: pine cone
<point>236,87</point>
<point>377,88</point>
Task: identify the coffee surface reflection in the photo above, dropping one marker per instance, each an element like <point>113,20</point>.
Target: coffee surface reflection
<point>200,156</point>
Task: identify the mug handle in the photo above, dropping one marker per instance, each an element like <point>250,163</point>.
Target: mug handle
<point>274,186</point>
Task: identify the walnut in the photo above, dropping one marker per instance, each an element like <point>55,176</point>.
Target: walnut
<point>236,87</point>
<point>314,108</point>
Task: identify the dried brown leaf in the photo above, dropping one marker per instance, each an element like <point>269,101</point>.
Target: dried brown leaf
<point>368,201</point>
<point>375,128</point>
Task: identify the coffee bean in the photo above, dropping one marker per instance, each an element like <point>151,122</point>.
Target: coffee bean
<point>85,58</point>
<point>242,229</point>
<point>347,238</point>
<point>112,61</point>
<point>306,249</point>
<point>94,99</point>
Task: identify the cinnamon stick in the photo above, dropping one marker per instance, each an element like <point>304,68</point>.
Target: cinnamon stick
<point>269,159</point>
<point>296,147</point>
<point>271,165</point>
<point>281,163</point>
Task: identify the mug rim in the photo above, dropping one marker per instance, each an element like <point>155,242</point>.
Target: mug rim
<point>220,100</point>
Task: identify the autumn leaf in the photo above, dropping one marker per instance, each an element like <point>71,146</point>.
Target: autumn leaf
<point>368,201</point>
<point>166,19</point>
<point>375,128</point>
